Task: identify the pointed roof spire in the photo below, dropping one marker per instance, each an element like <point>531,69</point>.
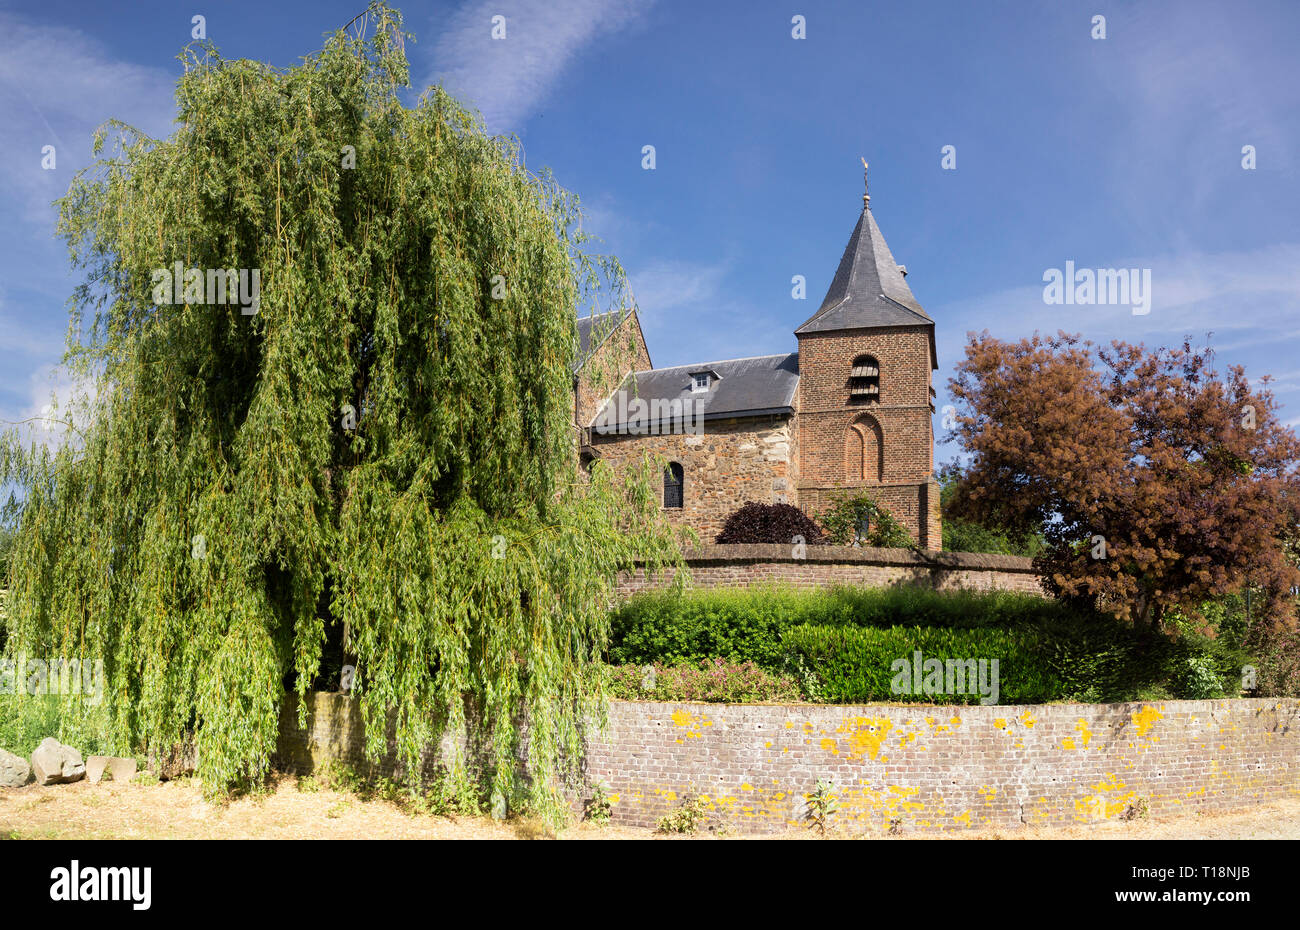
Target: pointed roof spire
<point>869,288</point>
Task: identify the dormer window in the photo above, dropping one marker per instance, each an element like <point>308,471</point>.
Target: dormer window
<point>864,380</point>
<point>700,381</point>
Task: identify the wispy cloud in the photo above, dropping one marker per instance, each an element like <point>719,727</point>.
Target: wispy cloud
<point>1191,83</point>
<point>689,313</point>
<point>56,85</point>
<point>1244,298</point>
<point>54,401</point>
<point>1247,299</point>
<point>665,286</point>
<point>507,78</point>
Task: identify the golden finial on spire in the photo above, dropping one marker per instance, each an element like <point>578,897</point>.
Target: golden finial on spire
<point>866,198</point>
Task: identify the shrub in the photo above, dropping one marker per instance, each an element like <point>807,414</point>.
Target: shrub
<point>600,807</point>
<point>1278,666</point>
<point>769,523</point>
<point>745,625</point>
<point>843,521</point>
<point>713,680</point>
<point>1200,679</point>
<point>684,629</point>
<point>25,720</point>
<point>1048,650</point>
<point>967,536</point>
<point>685,818</point>
<point>851,665</point>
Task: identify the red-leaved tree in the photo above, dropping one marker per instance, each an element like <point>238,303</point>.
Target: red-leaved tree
<point>1156,483</point>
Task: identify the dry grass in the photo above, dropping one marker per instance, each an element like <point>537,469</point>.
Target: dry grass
<point>177,810</point>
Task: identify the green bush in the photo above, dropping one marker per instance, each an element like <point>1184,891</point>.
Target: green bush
<point>966,536</point>
<point>851,665</point>
<point>1200,679</point>
<point>842,520</point>
<point>745,625</point>
<point>838,644</point>
<point>25,720</point>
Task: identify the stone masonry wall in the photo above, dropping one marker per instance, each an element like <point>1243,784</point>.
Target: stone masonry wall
<point>906,767</point>
<point>621,350</point>
<point>733,461</point>
<point>739,566</point>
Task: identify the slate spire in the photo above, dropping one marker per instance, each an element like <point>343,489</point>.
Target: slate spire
<point>869,288</point>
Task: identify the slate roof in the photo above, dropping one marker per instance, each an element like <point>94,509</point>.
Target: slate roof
<point>743,387</point>
<point>601,324</point>
<point>868,289</point>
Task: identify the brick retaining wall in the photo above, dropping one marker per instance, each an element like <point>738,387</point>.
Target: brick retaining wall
<point>739,566</point>
<point>919,767</point>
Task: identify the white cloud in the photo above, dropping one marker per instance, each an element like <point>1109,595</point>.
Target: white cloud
<point>54,401</point>
<point>507,78</point>
<point>1191,84</point>
<point>688,314</point>
<point>1247,299</point>
<point>1244,297</point>
<point>664,286</point>
<point>56,85</point>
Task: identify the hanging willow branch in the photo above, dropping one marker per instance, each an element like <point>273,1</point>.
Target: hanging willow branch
<point>222,513</point>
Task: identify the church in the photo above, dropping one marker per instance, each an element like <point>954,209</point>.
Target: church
<point>850,412</point>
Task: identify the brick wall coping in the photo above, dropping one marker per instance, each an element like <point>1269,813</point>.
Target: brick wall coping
<point>1000,710</point>
<point>712,553</point>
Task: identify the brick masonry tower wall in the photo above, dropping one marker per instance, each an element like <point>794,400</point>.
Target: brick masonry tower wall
<point>905,767</point>
<point>891,451</point>
<point>739,566</point>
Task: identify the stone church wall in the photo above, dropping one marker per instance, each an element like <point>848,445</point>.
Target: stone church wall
<point>733,461</point>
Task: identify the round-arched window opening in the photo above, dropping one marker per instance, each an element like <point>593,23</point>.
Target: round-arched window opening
<point>864,380</point>
<point>674,486</point>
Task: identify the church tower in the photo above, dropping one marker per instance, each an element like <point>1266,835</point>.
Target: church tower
<point>865,396</point>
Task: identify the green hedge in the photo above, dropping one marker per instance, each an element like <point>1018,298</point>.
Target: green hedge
<point>852,665</point>
<point>840,643</point>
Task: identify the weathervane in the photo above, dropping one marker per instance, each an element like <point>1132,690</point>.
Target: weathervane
<point>866,198</point>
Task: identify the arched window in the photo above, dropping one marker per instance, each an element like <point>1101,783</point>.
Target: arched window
<point>864,380</point>
<point>674,485</point>
<point>863,450</point>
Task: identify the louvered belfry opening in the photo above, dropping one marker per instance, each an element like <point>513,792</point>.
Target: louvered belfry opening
<point>864,381</point>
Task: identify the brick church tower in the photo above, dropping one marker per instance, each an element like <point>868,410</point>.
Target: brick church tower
<point>865,400</point>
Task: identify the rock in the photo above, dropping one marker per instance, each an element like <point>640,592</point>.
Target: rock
<point>56,764</point>
<point>119,769</point>
<point>177,761</point>
<point>14,770</point>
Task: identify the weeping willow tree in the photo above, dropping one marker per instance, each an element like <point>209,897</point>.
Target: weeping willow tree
<point>385,448</point>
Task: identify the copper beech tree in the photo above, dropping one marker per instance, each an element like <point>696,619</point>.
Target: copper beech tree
<point>1156,483</point>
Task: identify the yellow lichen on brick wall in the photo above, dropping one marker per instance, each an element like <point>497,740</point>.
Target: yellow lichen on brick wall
<point>1144,720</point>
<point>903,768</point>
<point>1108,800</point>
<point>865,735</point>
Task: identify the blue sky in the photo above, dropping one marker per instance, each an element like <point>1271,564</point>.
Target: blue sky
<point>1123,152</point>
